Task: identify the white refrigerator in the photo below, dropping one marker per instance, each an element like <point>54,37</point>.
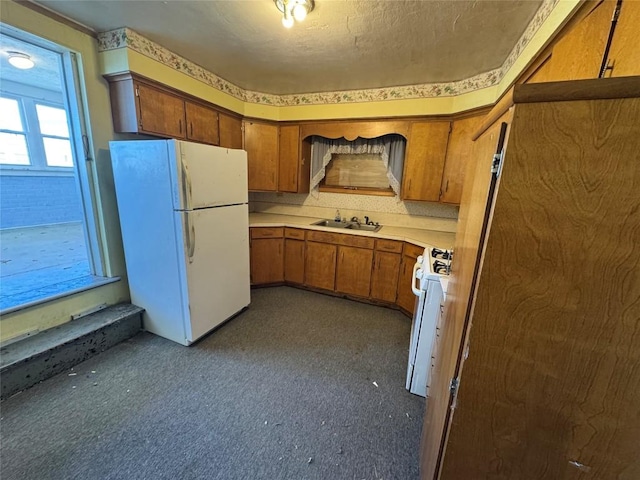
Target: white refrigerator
<point>184,217</point>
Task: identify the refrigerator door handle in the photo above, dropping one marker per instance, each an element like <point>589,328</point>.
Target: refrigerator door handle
<point>190,235</point>
<point>186,186</point>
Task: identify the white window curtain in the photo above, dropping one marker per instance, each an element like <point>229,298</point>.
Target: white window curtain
<point>390,147</point>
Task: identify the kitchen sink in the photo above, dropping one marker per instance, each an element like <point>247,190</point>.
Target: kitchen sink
<point>331,223</point>
<point>367,228</point>
<point>349,225</point>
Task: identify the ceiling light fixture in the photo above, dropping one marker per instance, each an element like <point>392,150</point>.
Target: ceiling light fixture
<point>20,60</point>
<point>293,10</point>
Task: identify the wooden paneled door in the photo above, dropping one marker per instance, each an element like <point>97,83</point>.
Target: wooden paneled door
<point>289,158</point>
<point>424,161</point>
<point>160,112</point>
<point>267,260</point>
<point>458,154</point>
<point>353,271</point>
<point>384,278</point>
<point>320,265</point>
<point>261,144</point>
<point>202,123</point>
<point>294,261</point>
<point>230,131</point>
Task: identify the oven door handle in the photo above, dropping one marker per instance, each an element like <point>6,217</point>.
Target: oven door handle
<point>416,291</point>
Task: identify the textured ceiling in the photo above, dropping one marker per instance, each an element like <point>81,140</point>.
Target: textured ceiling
<point>342,45</point>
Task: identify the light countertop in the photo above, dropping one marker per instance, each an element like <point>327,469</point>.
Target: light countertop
<point>419,237</point>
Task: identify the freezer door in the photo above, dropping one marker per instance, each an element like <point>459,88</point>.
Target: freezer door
<point>216,260</point>
<point>207,176</point>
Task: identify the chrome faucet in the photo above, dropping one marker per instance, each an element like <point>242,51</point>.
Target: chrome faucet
<point>355,220</point>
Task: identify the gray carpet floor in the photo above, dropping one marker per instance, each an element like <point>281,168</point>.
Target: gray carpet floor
<point>283,391</point>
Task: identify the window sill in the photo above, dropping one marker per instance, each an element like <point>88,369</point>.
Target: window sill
<point>23,300</point>
<point>357,191</point>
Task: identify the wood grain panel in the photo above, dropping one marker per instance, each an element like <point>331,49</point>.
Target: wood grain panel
<point>289,161</point>
<point>356,241</point>
<point>424,161</point>
<point>317,236</point>
<point>578,53</point>
<point>384,278</point>
<point>591,89</point>
<point>412,250</point>
<point>458,154</point>
<point>294,233</point>
<point>267,232</point>
<point>159,112</point>
<point>470,220</point>
<point>202,123</point>
<point>261,144</point>
<point>390,246</point>
<point>353,271</point>
<point>553,372</point>
<point>320,265</point>
<point>230,131</point>
<point>294,261</point>
<point>267,261</point>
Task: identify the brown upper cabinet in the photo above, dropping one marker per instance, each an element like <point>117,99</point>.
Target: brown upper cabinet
<point>140,105</point>
<point>261,144</point>
<point>278,160</point>
<point>230,131</point>
<point>201,123</point>
<point>424,160</point>
<point>457,158</point>
<point>288,156</point>
<point>159,112</point>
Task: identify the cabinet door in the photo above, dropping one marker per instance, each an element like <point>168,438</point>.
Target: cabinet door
<point>384,279</point>
<point>406,299</point>
<point>267,261</point>
<point>294,261</point>
<point>457,159</point>
<point>261,144</point>
<point>160,112</point>
<point>202,123</point>
<point>320,265</point>
<point>353,272</point>
<point>230,131</point>
<point>424,161</point>
<point>289,155</point>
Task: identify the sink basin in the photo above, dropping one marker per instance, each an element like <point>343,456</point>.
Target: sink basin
<point>349,225</point>
<point>367,228</point>
<point>331,223</point>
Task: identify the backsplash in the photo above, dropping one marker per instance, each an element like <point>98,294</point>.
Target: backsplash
<point>385,210</point>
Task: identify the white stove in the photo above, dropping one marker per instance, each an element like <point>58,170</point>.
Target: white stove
<point>429,284</point>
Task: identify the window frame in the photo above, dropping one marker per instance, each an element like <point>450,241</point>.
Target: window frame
<point>33,136</point>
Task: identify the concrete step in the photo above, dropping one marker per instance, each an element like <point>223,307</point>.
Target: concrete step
<point>34,359</point>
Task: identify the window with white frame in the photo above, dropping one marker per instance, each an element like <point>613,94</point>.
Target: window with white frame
<point>34,134</point>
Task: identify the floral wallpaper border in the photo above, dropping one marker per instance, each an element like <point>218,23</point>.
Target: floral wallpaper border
<point>127,38</point>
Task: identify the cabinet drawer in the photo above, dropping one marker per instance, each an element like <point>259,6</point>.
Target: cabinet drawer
<point>294,233</point>
<point>413,250</point>
<point>267,232</point>
<point>390,246</point>
<point>323,237</point>
<point>356,241</point>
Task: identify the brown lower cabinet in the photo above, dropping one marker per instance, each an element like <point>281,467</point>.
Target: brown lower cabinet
<point>365,267</point>
<point>294,249</point>
<point>353,271</point>
<point>320,265</point>
<point>267,256</point>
